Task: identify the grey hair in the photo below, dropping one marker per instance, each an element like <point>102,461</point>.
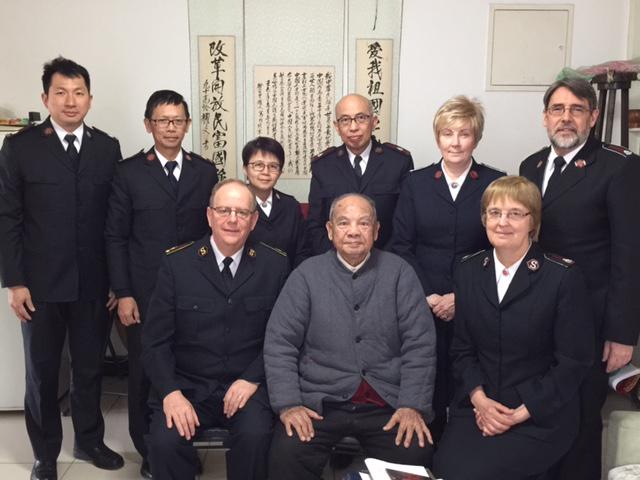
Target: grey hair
<point>367,199</point>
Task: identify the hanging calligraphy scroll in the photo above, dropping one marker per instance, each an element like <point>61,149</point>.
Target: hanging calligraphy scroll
<point>374,65</point>
<point>217,73</point>
<point>295,105</point>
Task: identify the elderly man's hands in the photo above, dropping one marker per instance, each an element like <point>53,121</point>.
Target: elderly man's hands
<point>179,412</point>
<point>237,396</point>
<point>299,419</point>
<point>410,423</point>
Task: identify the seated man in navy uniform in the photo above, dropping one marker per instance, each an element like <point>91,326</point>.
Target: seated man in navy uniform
<point>202,341</point>
<point>360,165</point>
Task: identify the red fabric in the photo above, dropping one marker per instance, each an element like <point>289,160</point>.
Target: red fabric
<point>366,394</point>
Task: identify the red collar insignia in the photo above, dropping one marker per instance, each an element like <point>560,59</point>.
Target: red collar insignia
<point>151,157</point>
<point>473,174</point>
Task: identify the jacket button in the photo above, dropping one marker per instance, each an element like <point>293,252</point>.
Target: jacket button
<point>229,301</point>
<point>356,308</point>
<point>354,276</point>
<point>358,339</point>
<point>195,307</point>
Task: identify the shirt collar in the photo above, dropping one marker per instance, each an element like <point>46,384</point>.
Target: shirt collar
<point>164,160</point>
<point>61,132</point>
<point>460,180</point>
<point>567,158</point>
<point>237,256</point>
<point>350,267</point>
<point>500,268</point>
<point>269,199</point>
<point>364,155</point>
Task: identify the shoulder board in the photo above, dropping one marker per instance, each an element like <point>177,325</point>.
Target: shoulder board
<point>324,153</point>
<point>493,168</point>
<point>277,250</point>
<point>17,133</point>
<point>471,255</point>
<point>560,260</point>
<point>139,154</point>
<point>624,152</point>
<point>397,148</point>
<point>177,248</point>
<point>195,156</point>
<point>101,132</point>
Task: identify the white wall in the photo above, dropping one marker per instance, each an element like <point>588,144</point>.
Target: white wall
<point>131,48</point>
<point>444,53</point>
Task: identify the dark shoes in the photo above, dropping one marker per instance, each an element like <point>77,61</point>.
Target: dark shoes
<point>145,469</point>
<point>101,456</point>
<point>44,470</point>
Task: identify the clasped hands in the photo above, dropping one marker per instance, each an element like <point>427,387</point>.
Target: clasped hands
<point>442,306</point>
<point>179,411</point>
<point>409,421</point>
<point>493,418</point>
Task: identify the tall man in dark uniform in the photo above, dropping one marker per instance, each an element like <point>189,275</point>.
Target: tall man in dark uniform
<point>159,199</point>
<point>202,341</point>
<point>360,165</point>
<point>589,214</point>
<point>54,187</point>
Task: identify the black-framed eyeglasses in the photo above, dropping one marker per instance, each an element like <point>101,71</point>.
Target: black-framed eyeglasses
<point>574,110</point>
<point>260,166</point>
<point>360,118</point>
<point>496,214</point>
<point>241,213</point>
<point>165,122</point>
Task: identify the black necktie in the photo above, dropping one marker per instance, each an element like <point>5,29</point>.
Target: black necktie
<point>557,171</point>
<point>226,272</point>
<point>71,149</point>
<point>171,166</point>
<point>356,166</point>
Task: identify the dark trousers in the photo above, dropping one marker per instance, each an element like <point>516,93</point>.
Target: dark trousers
<point>87,325</point>
<point>584,460</point>
<point>291,459</point>
<point>173,457</point>
<point>444,384</point>
<point>138,393</point>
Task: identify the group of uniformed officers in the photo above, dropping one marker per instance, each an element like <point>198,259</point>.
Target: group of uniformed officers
<point>404,329</point>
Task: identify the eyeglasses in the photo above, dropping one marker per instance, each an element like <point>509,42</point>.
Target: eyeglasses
<point>260,166</point>
<point>495,214</point>
<point>574,110</point>
<point>241,213</point>
<point>165,122</point>
<point>360,118</point>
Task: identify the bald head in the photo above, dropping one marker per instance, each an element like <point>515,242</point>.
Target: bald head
<point>363,103</point>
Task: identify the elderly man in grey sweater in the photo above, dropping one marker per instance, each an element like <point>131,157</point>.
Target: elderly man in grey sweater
<point>350,350</point>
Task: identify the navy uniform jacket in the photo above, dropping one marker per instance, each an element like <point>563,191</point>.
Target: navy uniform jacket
<point>198,337</point>
<point>433,232</point>
<point>534,347</point>
<point>591,216</point>
<point>51,217</point>
<point>332,175</point>
<point>284,228</point>
<point>146,217</point>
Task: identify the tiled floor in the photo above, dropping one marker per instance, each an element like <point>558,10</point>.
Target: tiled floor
<point>16,457</point>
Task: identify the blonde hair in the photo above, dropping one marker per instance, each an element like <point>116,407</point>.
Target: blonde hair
<point>520,190</point>
<point>459,109</point>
